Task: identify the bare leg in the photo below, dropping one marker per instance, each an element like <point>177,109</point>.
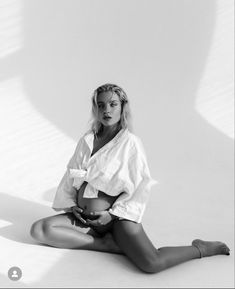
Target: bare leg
<point>64,231</point>
<point>135,244</point>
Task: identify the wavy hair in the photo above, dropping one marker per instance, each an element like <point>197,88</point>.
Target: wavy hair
<point>125,120</point>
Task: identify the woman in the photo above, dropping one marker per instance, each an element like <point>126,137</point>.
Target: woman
<point>105,190</point>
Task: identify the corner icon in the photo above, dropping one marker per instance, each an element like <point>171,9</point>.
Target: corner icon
<point>14,273</point>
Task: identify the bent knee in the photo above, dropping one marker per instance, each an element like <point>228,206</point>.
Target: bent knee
<point>153,265</point>
<point>38,230</point>
<point>35,229</point>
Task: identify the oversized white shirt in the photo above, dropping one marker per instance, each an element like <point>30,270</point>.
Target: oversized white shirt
<point>120,166</point>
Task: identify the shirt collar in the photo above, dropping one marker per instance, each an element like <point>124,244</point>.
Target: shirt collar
<point>89,138</point>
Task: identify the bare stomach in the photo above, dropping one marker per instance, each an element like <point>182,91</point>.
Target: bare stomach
<point>102,203</point>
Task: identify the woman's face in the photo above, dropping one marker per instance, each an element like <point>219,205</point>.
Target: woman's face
<point>109,108</point>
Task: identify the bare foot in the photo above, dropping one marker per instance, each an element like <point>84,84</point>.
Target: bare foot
<point>210,248</point>
<point>111,244</point>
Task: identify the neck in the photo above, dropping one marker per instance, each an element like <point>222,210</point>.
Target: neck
<point>109,131</point>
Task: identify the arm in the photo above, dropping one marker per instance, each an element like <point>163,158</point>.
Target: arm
<point>66,194</point>
<point>65,197</point>
<point>132,202</point>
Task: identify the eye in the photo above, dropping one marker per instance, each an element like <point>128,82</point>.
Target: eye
<point>113,104</point>
<point>100,105</point>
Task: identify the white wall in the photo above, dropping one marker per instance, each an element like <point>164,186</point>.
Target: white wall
<point>173,58</point>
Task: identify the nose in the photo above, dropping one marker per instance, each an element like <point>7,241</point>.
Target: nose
<point>106,109</point>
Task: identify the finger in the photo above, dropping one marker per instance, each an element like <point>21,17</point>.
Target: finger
<point>79,217</point>
<point>77,209</point>
<point>76,213</point>
<point>96,213</point>
<point>99,222</point>
<point>83,220</point>
<point>93,222</point>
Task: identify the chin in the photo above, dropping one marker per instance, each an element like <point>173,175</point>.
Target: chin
<point>109,124</point>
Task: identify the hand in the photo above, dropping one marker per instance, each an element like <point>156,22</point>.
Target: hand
<point>77,213</point>
<point>104,217</point>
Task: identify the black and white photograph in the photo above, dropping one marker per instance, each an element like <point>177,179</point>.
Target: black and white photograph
<point>117,144</point>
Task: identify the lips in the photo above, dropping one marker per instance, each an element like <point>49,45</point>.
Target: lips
<point>107,117</point>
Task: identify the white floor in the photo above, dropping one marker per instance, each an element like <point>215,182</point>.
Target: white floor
<point>44,266</point>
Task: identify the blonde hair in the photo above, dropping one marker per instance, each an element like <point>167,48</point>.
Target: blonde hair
<point>125,120</point>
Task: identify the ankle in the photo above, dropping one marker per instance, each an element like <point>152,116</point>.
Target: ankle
<point>198,249</point>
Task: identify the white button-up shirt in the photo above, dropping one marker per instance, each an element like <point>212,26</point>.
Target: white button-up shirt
<point>120,166</point>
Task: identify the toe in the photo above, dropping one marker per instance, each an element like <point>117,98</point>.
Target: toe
<point>226,250</point>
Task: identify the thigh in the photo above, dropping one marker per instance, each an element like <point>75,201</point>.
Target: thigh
<point>67,220</point>
<point>133,241</point>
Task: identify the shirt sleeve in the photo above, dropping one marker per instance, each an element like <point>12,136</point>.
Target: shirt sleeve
<point>66,194</point>
<point>132,202</point>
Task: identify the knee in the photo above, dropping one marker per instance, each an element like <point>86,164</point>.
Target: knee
<point>35,230</point>
<point>38,230</point>
<point>153,264</point>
